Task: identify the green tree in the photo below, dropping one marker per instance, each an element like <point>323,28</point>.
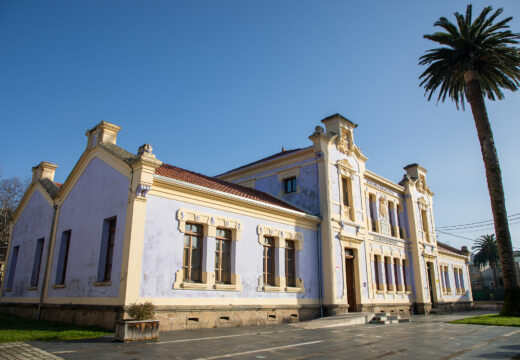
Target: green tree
<point>477,59</point>
<point>486,253</point>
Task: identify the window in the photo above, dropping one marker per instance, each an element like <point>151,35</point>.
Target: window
<point>63,258</point>
<point>192,259</point>
<point>425,226</point>
<point>222,256</point>
<point>391,218</point>
<point>399,224</point>
<point>37,263</point>
<point>405,281</point>
<point>396,274</point>
<point>372,207</point>
<point>106,253</point>
<point>268,261</point>
<point>379,285</point>
<point>387,273</point>
<point>289,185</point>
<point>447,278</point>
<point>443,280</point>
<point>13,260</point>
<point>461,280</point>
<point>290,268</point>
<point>344,188</point>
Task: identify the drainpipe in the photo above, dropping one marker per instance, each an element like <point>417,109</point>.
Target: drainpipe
<point>320,271</point>
<point>47,270</point>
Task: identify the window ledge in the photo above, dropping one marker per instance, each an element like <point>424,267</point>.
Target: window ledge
<point>60,286</point>
<point>193,286</point>
<point>102,283</point>
<point>291,289</point>
<point>381,292</point>
<point>228,287</point>
<point>269,288</point>
<point>32,288</point>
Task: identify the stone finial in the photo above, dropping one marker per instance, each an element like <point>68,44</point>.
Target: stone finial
<point>102,132</point>
<point>44,170</point>
<point>319,130</point>
<point>145,149</point>
<point>464,250</point>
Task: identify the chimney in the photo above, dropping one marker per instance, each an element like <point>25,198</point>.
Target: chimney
<point>102,132</point>
<point>464,251</point>
<point>44,170</point>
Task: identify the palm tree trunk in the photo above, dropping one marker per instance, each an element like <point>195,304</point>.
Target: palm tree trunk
<point>496,193</point>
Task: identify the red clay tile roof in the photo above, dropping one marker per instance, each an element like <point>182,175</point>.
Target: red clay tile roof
<point>220,185</point>
<point>58,184</point>
<point>281,153</point>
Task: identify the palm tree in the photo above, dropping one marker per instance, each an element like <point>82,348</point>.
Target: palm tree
<point>486,253</point>
<point>476,60</point>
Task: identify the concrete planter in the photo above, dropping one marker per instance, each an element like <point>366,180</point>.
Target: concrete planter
<point>131,330</point>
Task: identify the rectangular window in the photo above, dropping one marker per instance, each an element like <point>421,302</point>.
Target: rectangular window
<point>447,279</point>
<point>457,286</point>
<point>268,261</point>
<point>461,280</point>
<point>344,188</point>
<point>12,269</point>
<point>37,262</point>
<point>290,185</point>
<point>391,218</point>
<point>396,272</point>
<point>425,226</point>
<point>376,273</point>
<point>405,281</point>
<point>399,224</point>
<point>290,268</point>
<point>372,206</point>
<point>63,258</point>
<point>387,272</point>
<point>192,259</point>
<point>443,280</point>
<point>223,256</point>
<point>106,254</point>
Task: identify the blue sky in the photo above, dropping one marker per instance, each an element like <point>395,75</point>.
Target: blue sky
<point>213,85</point>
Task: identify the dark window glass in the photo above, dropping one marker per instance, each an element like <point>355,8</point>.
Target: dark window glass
<point>192,258</point>
<point>290,185</point>
<point>269,261</point>
<point>63,258</point>
<point>376,271</point>
<point>222,256</point>
<point>344,187</point>
<point>405,282</point>
<point>12,269</point>
<point>387,272</point>
<point>37,262</point>
<point>110,248</point>
<point>290,269</point>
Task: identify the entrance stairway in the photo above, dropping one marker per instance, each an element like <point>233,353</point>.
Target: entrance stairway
<point>383,318</point>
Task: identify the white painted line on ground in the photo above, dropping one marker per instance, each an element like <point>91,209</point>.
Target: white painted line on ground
<point>261,350</point>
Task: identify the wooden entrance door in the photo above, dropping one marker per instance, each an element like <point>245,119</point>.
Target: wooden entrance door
<point>431,283</point>
<point>350,280</point>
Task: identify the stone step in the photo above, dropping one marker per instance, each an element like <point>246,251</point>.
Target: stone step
<point>404,320</point>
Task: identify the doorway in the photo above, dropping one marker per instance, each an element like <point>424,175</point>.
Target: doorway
<point>431,283</point>
<point>350,280</point>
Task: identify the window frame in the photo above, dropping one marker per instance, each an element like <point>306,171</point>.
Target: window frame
<point>290,185</point>
<point>268,246</point>
<point>64,249</point>
<point>187,264</point>
<point>37,263</point>
<point>290,263</point>
<point>219,253</point>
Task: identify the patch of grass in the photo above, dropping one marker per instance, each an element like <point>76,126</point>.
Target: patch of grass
<point>491,319</point>
<point>13,328</point>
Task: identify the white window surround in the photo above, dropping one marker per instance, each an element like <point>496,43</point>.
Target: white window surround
<point>280,235</point>
<point>286,174</point>
<point>210,224</point>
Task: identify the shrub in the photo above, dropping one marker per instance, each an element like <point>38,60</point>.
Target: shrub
<point>143,311</point>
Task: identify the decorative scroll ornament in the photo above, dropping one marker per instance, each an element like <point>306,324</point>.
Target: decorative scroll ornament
<point>344,162</point>
<point>142,190</point>
<point>344,143</point>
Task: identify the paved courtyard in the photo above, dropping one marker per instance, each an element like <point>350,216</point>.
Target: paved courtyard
<point>426,337</point>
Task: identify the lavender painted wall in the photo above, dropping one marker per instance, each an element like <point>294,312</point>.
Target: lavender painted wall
<point>101,192</point>
<point>34,223</point>
<point>163,254</point>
